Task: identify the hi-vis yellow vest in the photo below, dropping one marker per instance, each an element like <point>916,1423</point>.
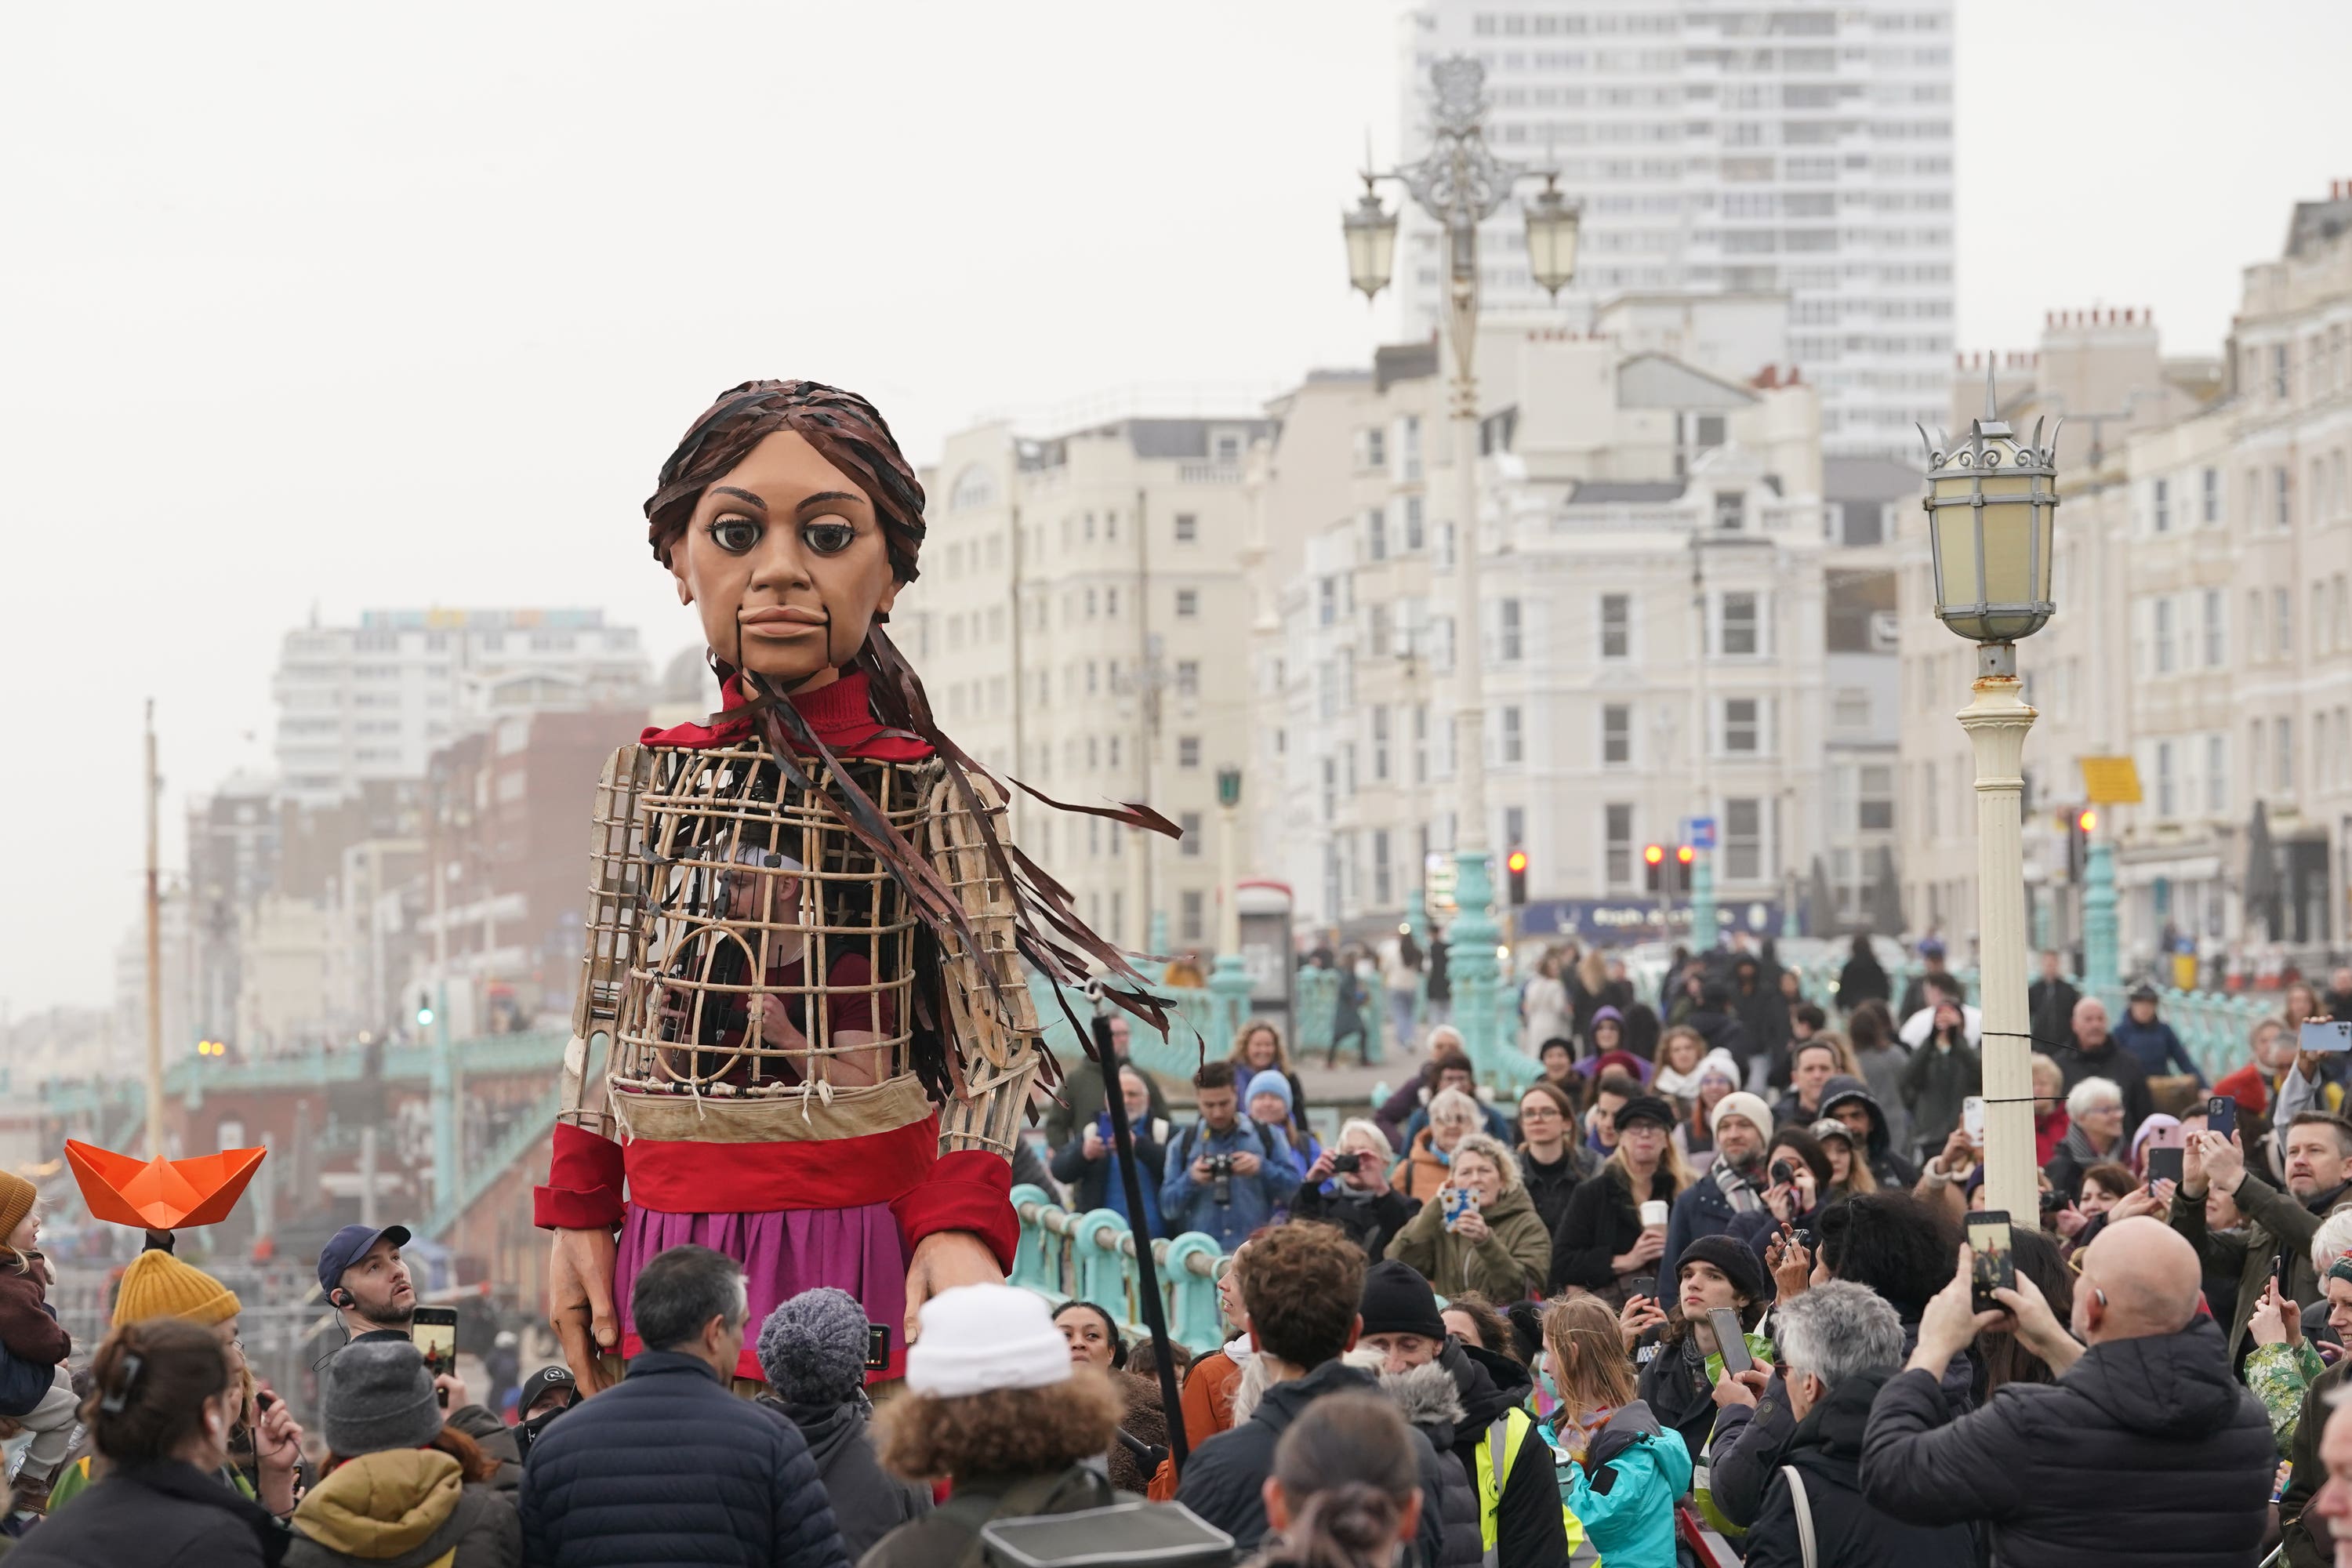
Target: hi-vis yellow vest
<point>1493,1477</point>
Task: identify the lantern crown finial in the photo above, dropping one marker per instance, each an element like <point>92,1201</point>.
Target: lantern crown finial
<point>1992,424</point>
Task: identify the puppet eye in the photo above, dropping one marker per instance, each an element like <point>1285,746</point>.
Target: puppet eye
<point>734,534</point>
<point>829,536</point>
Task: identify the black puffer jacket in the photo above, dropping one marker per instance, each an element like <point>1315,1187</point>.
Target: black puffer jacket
<point>668,1467</point>
<point>869,1502</point>
<point>1826,1453</point>
<point>2146,1451</point>
<point>1223,1481</point>
<point>168,1515</point>
<point>1425,1396</point>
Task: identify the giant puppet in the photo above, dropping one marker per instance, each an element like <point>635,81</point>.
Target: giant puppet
<point>806,935</point>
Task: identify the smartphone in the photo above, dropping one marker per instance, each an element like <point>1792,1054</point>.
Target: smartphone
<point>1729,1342</point>
<point>1973,1118</point>
<point>2326,1035</point>
<point>1996,1265</point>
<point>1459,1201</point>
<point>877,1347</point>
<point>2279,1266</point>
<point>2164,1165</point>
<point>2222,1115</point>
<point>433,1332</point>
<point>1644,1285</point>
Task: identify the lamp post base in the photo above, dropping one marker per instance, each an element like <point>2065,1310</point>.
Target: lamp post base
<point>1470,964</point>
<point>1229,995</point>
<point>1997,722</point>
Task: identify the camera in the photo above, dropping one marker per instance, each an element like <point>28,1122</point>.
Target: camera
<point>1350,1163</point>
<point>1220,1176</point>
<point>1783,1173</point>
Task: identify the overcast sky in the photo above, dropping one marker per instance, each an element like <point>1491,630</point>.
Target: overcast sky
<point>329,308</point>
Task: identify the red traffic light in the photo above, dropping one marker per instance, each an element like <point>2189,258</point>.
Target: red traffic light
<point>1516,862</point>
<point>1653,854</point>
<point>2089,821</point>
<point>1683,853</point>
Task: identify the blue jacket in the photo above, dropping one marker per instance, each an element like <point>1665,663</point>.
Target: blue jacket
<point>668,1467</point>
<point>2160,1049</point>
<point>1186,1204</point>
<point>1701,1209</point>
<point>1629,1518</point>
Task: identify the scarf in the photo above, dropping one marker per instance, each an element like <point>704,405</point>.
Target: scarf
<point>1737,1189</point>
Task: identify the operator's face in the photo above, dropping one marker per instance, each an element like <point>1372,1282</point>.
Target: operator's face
<point>785,561</point>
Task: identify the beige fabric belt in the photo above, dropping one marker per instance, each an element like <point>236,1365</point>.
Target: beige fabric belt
<point>820,1112</point>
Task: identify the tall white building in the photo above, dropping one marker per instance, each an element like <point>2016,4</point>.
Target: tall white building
<point>375,701</point>
<point>1806,149</point>
<point>1081,623</point>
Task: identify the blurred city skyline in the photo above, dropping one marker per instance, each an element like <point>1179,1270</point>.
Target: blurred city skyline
<point>320,316</point>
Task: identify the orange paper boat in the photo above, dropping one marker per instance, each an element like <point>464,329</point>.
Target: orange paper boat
<point>160,1194</point>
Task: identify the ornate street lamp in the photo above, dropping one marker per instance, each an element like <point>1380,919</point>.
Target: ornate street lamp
<point>1991,503</point>
<point>1552,236</point>
<point>1371,231</point>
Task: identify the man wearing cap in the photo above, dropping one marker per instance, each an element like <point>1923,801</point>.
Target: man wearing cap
<point>1733,1183</point>
<point>545,1396</point>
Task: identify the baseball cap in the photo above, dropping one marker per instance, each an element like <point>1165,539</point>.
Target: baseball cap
<point>348,1245</point>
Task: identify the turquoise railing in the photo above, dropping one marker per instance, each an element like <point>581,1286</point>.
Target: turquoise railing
<point>1090,1257</point>
<point>2213,1026</point>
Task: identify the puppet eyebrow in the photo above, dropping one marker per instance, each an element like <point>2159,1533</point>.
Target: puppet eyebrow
<point>739,495</point>
<point>828,497</point>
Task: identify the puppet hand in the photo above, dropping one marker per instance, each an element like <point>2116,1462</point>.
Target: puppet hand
<point>943,1261</point>
<point>580,1302</point>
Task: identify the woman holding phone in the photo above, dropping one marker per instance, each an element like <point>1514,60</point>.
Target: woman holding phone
<point>1479,1232</point>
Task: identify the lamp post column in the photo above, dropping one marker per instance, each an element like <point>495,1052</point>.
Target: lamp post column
<point>1229,982</point>
<point>2101,969</point>
<point>1997,720</point>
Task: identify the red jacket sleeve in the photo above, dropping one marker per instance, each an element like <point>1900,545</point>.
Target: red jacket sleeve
<point>971,1190</point>
<point>585,1179</point>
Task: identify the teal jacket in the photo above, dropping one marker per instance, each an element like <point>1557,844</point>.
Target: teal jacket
<point>1629,1518</point>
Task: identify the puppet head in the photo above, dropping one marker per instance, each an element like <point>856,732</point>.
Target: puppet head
<point>791,519</point>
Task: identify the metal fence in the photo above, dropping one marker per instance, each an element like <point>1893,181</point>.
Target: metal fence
<point>1091,1256</point>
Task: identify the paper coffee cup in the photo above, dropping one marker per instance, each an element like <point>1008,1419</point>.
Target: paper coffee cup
<point>1653,1214</point>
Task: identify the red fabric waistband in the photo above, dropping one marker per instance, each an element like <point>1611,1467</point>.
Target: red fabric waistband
<point>679,1177</point>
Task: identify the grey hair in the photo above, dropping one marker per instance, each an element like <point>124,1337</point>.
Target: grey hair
<point>1453,1105</point>
<point>2092,1094</point>
<point>1507,1164</point>
<point>1369,1131</point>
<point>1838,1330</point>
<point>2330,1242</point>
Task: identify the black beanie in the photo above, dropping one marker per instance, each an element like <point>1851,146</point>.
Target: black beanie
<point>1399,1301</point>
<point>1737,1260</point>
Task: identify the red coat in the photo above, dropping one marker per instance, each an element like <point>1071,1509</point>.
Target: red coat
<point>26,1328</point>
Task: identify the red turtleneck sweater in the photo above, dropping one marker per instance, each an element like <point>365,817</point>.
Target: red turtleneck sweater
<point>926,1192</point>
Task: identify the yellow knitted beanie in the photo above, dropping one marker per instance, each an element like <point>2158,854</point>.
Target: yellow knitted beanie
<point>158,1284</point>
<point>17,1196</point>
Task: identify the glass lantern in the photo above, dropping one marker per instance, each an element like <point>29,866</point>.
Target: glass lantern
<point>1992,504</point>
<point>1372,232</point>
<point>1551,239</point>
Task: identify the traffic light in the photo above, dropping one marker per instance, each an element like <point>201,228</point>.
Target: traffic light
<point>1516,863</point>
<point>1682,868</point>
<point>1653,862</point>
<point>424,1009</point>
<point>212,1048</point>
<point>2078,828</point>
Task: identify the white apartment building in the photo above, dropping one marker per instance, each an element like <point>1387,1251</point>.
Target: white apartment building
<point>1621,696</point>
<point>1081,623</point>
<point>375,701</point>
<point>2203,626</point>
<point>1800,148</point>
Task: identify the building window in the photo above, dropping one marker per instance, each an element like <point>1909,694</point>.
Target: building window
<point>1372,448</point>
<point>2163,507</point>
<point>1730,509</point>
<point>2212,513</point>
<point>1409,437</point>
<point>1382,632</point>
<point>1188,751</point>
<point>2163,614</point>
<point>1376,534</point>
<point>2217,773</point>
<point>1192,921</point>
<point>1875,806</point>
<point>1415,534</point>
<point>1188,678</point>
<point>1190,822</point>
<point>1742,726</point>
<point>1507,629</point>
<point>2217,645</point>
<point>2282,489</point>
<point>1188,604</point>
<point>1743,840</point>
<point>1619,861</point>
<point>1421,743</point>
<point>1616,734</point>
<point>1616,626</point>
<point>1513,747</point>
<point>1379,742</point>
<point>2283,754</point>
<point>1383,879</point>
<point>1738,632</point>
<point>2281,623</point>
<point>2168,802</point>
<point>1849,707</point>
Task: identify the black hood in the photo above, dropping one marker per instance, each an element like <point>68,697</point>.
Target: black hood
<point>2174,1386</point>
<point>1489,1384</point>
<point>1835,1426</point>
<point>1284,1401</point>
<point>827,1428</point>
<point>1839,1088</point>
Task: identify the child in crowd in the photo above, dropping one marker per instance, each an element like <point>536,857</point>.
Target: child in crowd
<point>34,1390</point>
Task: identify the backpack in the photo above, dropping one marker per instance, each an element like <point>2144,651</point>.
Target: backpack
<point>970,1513</point>
<point>1132,1534</point>
<point>1185,1144</point>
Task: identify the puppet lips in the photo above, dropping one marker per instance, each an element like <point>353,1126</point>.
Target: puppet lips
<point>785,621</point>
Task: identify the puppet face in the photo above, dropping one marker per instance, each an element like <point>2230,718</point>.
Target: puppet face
<point>784,560</point>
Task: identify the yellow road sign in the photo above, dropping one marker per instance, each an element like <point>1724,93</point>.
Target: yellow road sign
<point>2110,781</point>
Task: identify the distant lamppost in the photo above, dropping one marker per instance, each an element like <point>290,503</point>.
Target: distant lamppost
<point>1991,503</point>
<point>1229,981</point>
<point>1461,184</point>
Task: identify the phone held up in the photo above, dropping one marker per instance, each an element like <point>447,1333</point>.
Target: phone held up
<point>1996,1259</point>
<point>1643,1285</point>
<point>2164,1165</point>
<point>1729,1342</point>
<point>2221,1116</point>
<point>433,1332</point>
<point>2325,1035</point>
<point>1972,1119</point>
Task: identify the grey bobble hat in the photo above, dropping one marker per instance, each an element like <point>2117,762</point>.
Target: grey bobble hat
<point>813,1348</point>
<point>378,1396</point>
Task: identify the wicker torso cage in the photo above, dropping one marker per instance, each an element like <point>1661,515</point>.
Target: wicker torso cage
<point>755,968</point>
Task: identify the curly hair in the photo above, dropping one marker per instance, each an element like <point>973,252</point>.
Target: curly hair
<point>1498,1155</point>
<point>1005,1431</point>
<point>1301,1289</point>
<point>1893,1243</point>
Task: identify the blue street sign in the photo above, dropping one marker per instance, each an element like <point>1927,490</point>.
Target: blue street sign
<point>1700,832</point>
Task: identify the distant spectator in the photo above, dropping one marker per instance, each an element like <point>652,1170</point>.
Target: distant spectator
<point>1081,1093</point>
<point>813,1349</point>
<point>2051,1123</point>
<point>1864,978</point>
<point>1679,1379</point>
<point>1448,1068</point>
<point>1345,1488</point>
<point>1722,1028</point>
<point>400,1481</point>
<point>1849,1171</point>
<point>2152,1041</point>
<point>1347,1186</point>
<point>1850,1100</point>
<point>1879,1059</point>
<point>366,1281</point>
<point>1258,1048</point>
<point>2094,1053</point>
<point>2094,1134</point>
<point>2280,1226</point>
<point>995,1406</point>
<point>1214,1378</point>
<point>1226,1174</point>
<point>1270,1102</point>
<point>1719,1074</point>
<point>1931,966</point>
<point>1089,1163</point>
<point>1680,1051</point>
<point>1551,1158</point>
<point>1453,1116</point>
<point>1493,1241</point>
<point>1810,1065</point>
<point>1094,1341</point>
<point>735,1483</point>
<point>545,1396</point>
<point>2050,1002</point>
<point>1944,1072</point>
<point>1732,1183</point>
<point>1474,1319</point>
<point>163,1399</point>
<point>1603,1242</point>
<point>1941,989</point>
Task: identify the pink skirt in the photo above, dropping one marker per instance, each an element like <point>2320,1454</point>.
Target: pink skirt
<point>855,1250</point>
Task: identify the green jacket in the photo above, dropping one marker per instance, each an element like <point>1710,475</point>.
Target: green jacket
<point>2276,1222</point>
<point>2307,1542</point>
<point>1510,1264</point>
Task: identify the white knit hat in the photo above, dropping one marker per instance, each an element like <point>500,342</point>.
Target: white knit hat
<point>977,1338</point>
<point>1745,1106</point>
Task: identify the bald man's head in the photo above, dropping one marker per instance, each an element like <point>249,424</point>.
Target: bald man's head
<point>2139,1278</point>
